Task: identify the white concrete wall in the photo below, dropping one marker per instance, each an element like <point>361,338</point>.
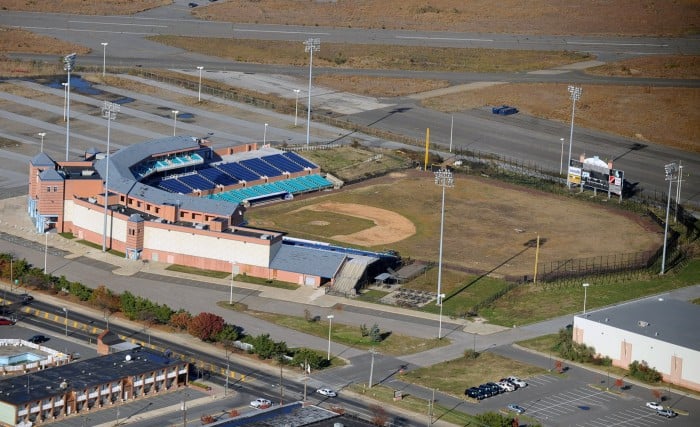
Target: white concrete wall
<point>607,341</point>
<point>202,245</point>
<point>93,220</point>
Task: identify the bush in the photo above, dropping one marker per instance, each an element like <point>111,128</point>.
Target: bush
<point>642,371</point>
<point>205,326</point>
<point>375,334</point>
<point>310,357</point>
<point>180,320</point>
<point>228,334</point>
<point>265,347</point>
<point>471,354</point>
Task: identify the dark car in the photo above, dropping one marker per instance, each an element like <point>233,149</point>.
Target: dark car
<point>26,298</point>
<point>486,390</point>
<point>472,392</point>
<point>495,387</point>
<point>192,4</point>
<point>38,339</point>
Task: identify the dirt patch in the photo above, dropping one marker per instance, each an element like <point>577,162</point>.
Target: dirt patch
<point>390,226</point>
<point>82,7</point>
<point>319,223</point>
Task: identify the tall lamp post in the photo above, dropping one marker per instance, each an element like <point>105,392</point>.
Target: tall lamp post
<point>65,95</point>
<point>575,95</point>
<point>585,295</point>
<point>68,64</point>
<point>330,326</point>
<point>65,311</point>
<point>265,134</point>
<point>443,178</point>
<point>46,250</point>
<point>42,135</point>
<point>671,170</point>
<point>296,106</point>
<point>109,112</point>
<point>104,57</point>
<point>310,45</point>
<point>230,294</point>
<point>199,91</point>
<point>440,298</point>
<point>175,113</point>
<point>372,351</point>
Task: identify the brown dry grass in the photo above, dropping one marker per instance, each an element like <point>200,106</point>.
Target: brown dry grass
<point>84,7</point>
<point>667,116</point>
<point>661,66</point>
<point>487,223</point>
<point>629,17</point>
<point>18,40</point>
<point>379,86</point>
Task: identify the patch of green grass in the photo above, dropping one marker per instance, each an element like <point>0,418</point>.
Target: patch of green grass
<point>332,224</point>
<point>372,295</point>
<point>265,282</point>
<point>532,303</point>
<point>99,246</point>
<point>411,403</point>
<point>454,376</point>
<point>198,271</point>
<point>68,235</point>
<point>393,344</point>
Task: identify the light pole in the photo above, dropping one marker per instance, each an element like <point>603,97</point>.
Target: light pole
<point>65,95</point>
<point>671,169</point>
<point>228,372</point>
<point>175,113</point>
<point>441,297</point>
<point>42,135</point>
<point>183,408</point>
<point>109,112</point>
<point>561,158</point>
<point>230,295</point>
<point>372,351</point>
<point>585,295</point>
<point>310,45</point>
<point>575,95</point>
<point>104,57</point>
<point>65,310</point>
<point>443,178</point>
<point>265,134</point>
<point>199,92</point>
<point>452,125</point>
<point>330,325</point>
<point>68,64</point>
<point>296,106</point>
<point>46,250</point>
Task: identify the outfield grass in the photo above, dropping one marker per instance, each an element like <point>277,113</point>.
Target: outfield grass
<point>197,271</point>
<point>99,246</point>
<point>393,344</point>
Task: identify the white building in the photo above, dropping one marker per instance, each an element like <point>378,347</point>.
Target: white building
<point>661,332</point>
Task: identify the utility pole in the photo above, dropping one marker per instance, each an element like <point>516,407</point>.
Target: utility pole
<point>373,351</point>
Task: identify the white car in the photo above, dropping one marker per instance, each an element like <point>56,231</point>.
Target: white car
<point>506,386</point>
<point>654,405</point>
<point>517,381</point>
<point>260,403</point>
<point>326,392</point>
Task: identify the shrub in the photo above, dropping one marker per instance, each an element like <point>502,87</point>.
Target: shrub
<point>265,347</point>
<point>228,334</point>
<point>471,354</point>
<point>642,371</point>
<point>180,320</point>
<point>205,326</point>
<point>311,357</point>
<point>375,334</point>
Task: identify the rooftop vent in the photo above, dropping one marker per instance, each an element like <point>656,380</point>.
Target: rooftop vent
<point>642,324</point>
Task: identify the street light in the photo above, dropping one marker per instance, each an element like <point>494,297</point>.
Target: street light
<point>585,294</point>
<point>65,310</point>
<point>330,325</point>
<point>575,95</point>
<point>296,106</point>
<point>230,295</point>
<point>310,45</point>
<point>199,92</point>
<point>561,158</point>
<point>46,250</point>
<point>265,134</point>
<point>104,57</point>
<point>671,170</point>
<point>109,111</point>
<point>443,178</point>
<point>441,297</point>
<point>183,408</point>
<point>42,135</point>
<point>65,95</point>
<point>372,351</point>
<point>68,64</point>
<point>175,113</point>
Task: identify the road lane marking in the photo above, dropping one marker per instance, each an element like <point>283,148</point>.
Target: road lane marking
<point>455,39</point>
<point>116,23</point>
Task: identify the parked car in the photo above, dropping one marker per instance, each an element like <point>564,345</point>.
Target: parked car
<point>517,381</point>
<point>506,386</point>
<point>192,4</point>
<point>507,381</point>
<point>326,392</point>
<point>26,298</point>
<point>654,405</point>
<point>504,110</point>
<point>37,339</point>
<point>668,413</point>
<point>487,390</point>
<point>473,392</point>
<point>260,403</point>
<point>515,408</point>
<point>495,388</point>
<point>4,321</point>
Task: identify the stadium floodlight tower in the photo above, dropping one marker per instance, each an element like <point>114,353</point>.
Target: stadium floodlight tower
<point>104,57</point>
<point>42,135</point>
<point>109,112</point>
<point>671,171</point>
<point>68,65</point>
<point>444,179</point>
<point>199,91</point>
<point>175,113</point>
<point>575,95</point>
<point>310,45</point>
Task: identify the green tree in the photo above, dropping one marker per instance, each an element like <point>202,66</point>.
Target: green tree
<point>128,305</point>
<point>265,347</point>
<point>375,334</point>
<point>229,333</point>
<point>309,356</point>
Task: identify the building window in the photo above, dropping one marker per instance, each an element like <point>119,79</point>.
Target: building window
<point>48,189</point>
<point>55,189</point>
